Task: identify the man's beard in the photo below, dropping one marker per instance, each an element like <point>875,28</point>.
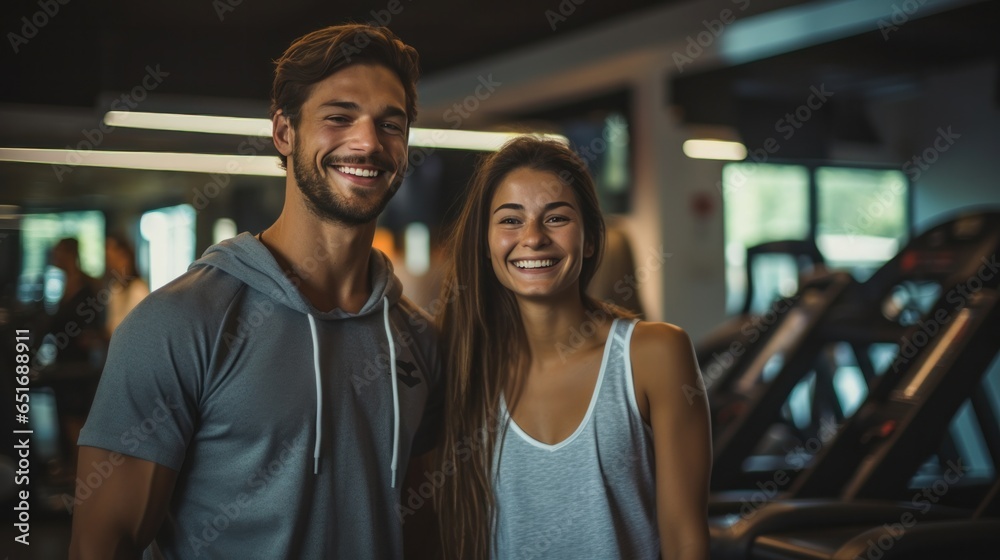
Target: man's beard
<point>332,206</point>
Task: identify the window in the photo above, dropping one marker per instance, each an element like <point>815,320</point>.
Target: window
<point>857,218</point>
<point>167,233</point>
<point>862,217</point>
<point>761,203</point>
<point>40,281</point>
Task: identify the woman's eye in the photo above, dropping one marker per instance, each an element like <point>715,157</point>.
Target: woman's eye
<point>508,220</point>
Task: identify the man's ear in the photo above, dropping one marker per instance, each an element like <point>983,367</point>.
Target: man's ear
<point>282,132</point>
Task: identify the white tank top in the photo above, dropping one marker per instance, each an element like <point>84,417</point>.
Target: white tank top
<point>591,495</point>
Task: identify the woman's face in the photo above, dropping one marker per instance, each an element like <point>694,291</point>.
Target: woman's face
<point>536,236</point>
<point>114,256</point>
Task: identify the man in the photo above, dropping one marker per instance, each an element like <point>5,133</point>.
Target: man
<point>265,403</point>
<point>74,331</point>
<point>78,289</point>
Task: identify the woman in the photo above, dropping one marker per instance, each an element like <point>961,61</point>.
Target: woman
<point>126,287</point>
<point>571,430</point>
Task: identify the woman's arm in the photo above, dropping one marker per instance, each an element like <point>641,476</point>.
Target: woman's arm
<point>668,391</point>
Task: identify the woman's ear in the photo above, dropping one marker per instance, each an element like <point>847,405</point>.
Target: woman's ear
<point>588,248</point>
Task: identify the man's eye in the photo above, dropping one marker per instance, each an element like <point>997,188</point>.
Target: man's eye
<point>392,126</point>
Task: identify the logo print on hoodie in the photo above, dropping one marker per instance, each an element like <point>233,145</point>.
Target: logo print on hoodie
<point>404,371</point>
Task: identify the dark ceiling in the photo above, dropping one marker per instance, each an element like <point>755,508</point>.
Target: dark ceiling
<point>92,50</point>
<point>860,69</point>
<point>224,48</point>
<point>860,65</point>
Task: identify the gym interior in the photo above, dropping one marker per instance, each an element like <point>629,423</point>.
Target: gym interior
<point>808,188</point>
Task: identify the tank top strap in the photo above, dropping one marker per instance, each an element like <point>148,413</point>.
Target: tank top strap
<point>622,331</point>
<point>618,386</point>
<point>591,496</point>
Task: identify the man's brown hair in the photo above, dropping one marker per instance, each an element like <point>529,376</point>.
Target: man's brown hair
<point>313,57</point>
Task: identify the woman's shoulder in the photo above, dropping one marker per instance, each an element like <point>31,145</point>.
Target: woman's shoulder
<point>650,336</point>
<point>661,349</point>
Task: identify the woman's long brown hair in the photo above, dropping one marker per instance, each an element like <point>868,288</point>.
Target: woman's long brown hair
<point>484,348</point>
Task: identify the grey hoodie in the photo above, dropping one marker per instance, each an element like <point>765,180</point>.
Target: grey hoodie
<point>287,434</point>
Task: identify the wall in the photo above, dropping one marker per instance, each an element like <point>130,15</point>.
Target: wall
<point>963,103</point>
<point>688,286</point>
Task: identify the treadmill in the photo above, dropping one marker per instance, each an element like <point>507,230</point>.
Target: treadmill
<point>757,395</point>
<point>831,316</point>
<point>977,538</point>
<point>873,457</point>
<point>734,344</point>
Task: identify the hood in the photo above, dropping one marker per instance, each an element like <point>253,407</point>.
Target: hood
<point>247,259</point>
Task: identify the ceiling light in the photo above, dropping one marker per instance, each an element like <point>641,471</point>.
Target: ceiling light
<point>208,124</point>
<point>715,149</point>
<point>152,161</point>
<point>240,126</point>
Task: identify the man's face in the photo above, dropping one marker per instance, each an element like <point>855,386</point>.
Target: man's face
<point>349,148</point>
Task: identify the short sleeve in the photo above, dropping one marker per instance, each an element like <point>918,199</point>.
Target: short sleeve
<point>147,399</point>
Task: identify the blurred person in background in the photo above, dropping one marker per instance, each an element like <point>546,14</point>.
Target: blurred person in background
<point>76,323</point>
<point>122,279</point>
<point>75,332</point>
<point>614,280</point>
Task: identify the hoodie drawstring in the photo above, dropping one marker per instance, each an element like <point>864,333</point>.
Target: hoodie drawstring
<point>319,394</point>
<point>395,392</point>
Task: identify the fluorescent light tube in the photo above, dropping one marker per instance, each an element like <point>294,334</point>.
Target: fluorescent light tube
<point>239,126</point>
<point>154,161</point>
<point>715,149</point>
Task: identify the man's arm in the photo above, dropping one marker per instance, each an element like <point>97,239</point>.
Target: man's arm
<point>663,364</point>
<point>122,515</point>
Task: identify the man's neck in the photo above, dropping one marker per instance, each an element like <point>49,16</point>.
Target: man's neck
<point>329,260</point>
